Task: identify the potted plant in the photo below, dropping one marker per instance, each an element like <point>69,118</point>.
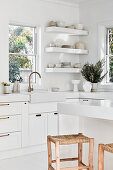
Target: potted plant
<point>93,73</point>
<point>6,87</point>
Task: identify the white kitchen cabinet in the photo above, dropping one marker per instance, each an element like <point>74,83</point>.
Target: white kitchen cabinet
<point>37,129</point>
<point>10,141</point>
<point>10,125</point>
<point>53,123</point>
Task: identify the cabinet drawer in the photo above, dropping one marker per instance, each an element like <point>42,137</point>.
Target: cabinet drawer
<point>10,123</point>
<point>37,129</point>
<point>42,107</point>
<point>10,141</point>
<point>10,108</point>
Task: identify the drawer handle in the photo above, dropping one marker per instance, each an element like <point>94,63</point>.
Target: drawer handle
<point>4,104</point>
<point>85,100</point>
<point>4,118</point>
<point>55,113</point>
<point>4,135</point>
<point>38,115</point>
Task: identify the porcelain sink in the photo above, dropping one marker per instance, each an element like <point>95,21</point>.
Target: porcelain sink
<point>45,96</point>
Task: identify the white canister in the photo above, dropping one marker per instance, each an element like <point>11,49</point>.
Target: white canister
<point>6,89</point>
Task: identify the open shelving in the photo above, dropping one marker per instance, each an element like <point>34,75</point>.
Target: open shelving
<point>74,52</point>
<point>62,70</point>
<point>67,31</point>
<point>65,50</point>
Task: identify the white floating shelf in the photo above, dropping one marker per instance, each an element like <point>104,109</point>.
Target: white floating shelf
<point>65,50</point>
<point>62,70</point>
<point>68,31</point>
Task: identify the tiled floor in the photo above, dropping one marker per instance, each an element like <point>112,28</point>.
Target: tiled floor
<point>36,161</point>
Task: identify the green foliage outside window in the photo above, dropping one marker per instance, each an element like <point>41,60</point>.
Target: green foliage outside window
<point>23,61</point>
<point>20,42</point>
<point>14,72</point>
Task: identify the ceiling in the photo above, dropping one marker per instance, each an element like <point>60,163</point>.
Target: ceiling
<point>72,2</point>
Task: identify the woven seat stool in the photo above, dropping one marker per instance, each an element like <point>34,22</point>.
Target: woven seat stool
<point>68,140</point>
<point>101,149</point>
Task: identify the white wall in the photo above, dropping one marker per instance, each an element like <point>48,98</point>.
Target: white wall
<point>36,13</point>
<point>92,14</point>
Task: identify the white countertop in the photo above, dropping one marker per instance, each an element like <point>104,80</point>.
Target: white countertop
<point>101,109</point>
<point>38,96</point>
<point>14,97</point>
<point>61,96</point>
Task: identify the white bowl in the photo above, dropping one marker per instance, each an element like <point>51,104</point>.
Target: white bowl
<point>51,65</point>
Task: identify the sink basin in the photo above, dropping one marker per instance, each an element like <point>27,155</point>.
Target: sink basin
<point>39,96</point>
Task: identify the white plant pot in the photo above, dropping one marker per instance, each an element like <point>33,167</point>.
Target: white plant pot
<point>94,87</point>
<point>6,89</point>
<point>87,86</point>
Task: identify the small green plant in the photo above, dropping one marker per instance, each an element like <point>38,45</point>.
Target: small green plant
<point>14,72</point>
<point>93,73</point>
<point>5,84</point>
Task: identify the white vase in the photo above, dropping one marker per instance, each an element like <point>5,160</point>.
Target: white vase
<point>87,86</point>
<point>6,89</point>
<point>16,87</point>
<point>75,83</point>
<point>94,87</point>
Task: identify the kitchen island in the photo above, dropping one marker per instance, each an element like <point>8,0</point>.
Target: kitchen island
<point>95,119</point>
<point>92,108</point>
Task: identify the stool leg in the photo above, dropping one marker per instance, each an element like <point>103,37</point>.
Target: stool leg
<point>79,154</point>
<point>91,150</point>
<point>100,157</point>
<point>57,153</point>
<point>49,153</point>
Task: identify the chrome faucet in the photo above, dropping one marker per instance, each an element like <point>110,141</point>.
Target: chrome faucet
<point>31,88</point>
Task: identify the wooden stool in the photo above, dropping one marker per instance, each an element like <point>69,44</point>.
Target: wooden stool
<point>67,140</point>
<point>101,149</point>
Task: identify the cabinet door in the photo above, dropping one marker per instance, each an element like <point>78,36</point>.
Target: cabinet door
<point>37,129</point>
<point>53,123</point>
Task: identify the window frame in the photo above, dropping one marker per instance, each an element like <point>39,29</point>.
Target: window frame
<point>102,49</point>
<point>36,46</point>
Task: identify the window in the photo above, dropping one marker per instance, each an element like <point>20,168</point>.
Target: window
<point>22,53</point>
<point>109,54</point>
